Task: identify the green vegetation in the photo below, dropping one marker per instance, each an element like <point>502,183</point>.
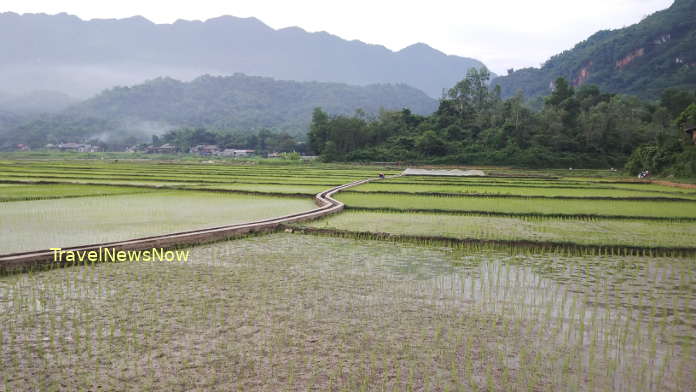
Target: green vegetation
<point>262,142</point>
<point>668,155</point>
<point>43,224</point>
<point>464,188</point>
<point>551,279</point>
<point>268,177</point>
<point>642,59</point>
<point>504,205</point>
<point>309,190</point>
<point>581,127</point>
<point>390,298</point>
<point>139,199</point>
<point>293,312</point>
<point>234,108</point>
<point>15,192</point>
<point>639,233</point>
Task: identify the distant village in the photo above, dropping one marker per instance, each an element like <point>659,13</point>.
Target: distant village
<point>201,149</point>
<point>167,148</point>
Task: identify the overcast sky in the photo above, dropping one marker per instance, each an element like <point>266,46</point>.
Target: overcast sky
<point>501,33</point>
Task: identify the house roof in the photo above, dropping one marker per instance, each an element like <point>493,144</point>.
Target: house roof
<point>689,130</point>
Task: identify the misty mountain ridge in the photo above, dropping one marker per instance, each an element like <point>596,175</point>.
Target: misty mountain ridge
<point>36,102</point>
<point>246,102</point>
<point>64,53</point>
<point>239,103</point>
<point>642,59</point>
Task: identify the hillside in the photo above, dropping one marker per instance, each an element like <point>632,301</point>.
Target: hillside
<point>245,102</point>
<point>642,59</point>
<point>239,103</point>
<point>64,53</point>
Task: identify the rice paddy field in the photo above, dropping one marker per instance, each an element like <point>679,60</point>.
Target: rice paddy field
<point>534,281</point>
<point>31,225</point>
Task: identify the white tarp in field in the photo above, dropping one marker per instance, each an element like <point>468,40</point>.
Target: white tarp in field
<point>453,172</point>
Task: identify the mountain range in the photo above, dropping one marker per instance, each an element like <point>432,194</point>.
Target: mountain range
<point>47,57</point>
<point>237,103</point>
<point>82,57</point>
<point>642,59</point>
<point>244,102</point>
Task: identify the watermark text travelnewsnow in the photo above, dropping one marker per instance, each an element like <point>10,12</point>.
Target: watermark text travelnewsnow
<point>113,255</point>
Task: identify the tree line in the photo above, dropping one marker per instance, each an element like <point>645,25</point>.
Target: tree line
<point>575,127</point>
<point>263,141</point>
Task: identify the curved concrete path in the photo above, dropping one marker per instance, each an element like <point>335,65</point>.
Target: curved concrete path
<point>324,200</point>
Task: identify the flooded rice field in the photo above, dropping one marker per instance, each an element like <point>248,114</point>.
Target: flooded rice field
<point>289,311</point>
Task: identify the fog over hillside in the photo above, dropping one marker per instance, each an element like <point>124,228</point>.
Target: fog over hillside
<point>36,102</point>
<point>246,102</point>
<point>238,103</point>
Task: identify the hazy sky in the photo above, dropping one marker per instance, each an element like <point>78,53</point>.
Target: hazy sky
<point>501,33</point>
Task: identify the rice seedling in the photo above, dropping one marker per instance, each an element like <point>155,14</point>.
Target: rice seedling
<point>520,190</point>
<point>322,313</point>
<point>550,183</point>
<point>309,190</point>
<point>586,231</point>
<point>222,173</point>
<point>605,208</point>
<point>257,179</point>
<point>42,224</point>
<point>362,309</point>
<point>15,192</point>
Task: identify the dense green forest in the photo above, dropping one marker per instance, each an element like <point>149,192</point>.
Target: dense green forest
<point>238,104</point>
<point>244,103</point>
<point>263,141</point>
<point>581,127</point>
<point>39,130</point>
<point>642,59</point>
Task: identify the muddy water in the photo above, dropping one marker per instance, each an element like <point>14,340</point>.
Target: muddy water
<point>594,322</point>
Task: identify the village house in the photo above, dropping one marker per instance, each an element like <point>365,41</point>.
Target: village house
<point>163,149</point>
<point>78,147</point>
<point>231,152</point>
<point>205,149</point>
<point>138,148</point>
<point>23,147</point>
<point>69,146</point>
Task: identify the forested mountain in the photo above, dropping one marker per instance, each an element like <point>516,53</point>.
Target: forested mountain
<point>246,102</point>
<point>64,53</point>
<point>239,103</point>
<point>642,59</point>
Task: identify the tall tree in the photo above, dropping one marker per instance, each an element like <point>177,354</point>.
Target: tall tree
<point>318,131</point>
